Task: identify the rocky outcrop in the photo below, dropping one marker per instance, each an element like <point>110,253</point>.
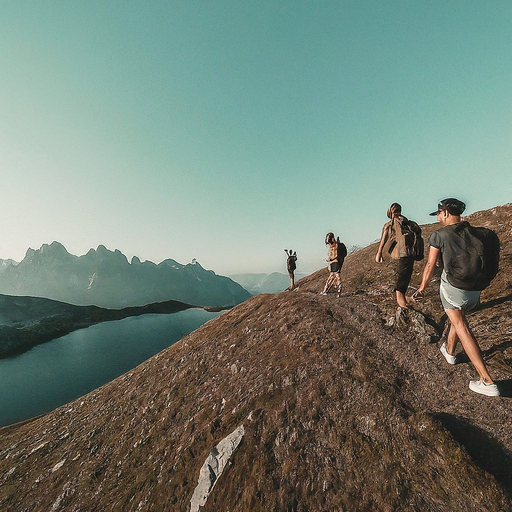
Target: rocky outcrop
<point>213,467</point>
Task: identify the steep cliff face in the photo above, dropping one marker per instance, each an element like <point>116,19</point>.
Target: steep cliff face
<point>305,402</point>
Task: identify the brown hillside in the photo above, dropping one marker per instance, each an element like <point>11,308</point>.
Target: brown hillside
<point>339,411</point>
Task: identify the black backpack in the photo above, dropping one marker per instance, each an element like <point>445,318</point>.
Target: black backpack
<point>418,246</point>
<point>477,260</point>
<point>290,263</point>
<point>341,251</point>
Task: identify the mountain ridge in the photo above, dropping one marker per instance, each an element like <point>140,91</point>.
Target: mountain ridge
<point>107,279</point>
<point>341,409</point>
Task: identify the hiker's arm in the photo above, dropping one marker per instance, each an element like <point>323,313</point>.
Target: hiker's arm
<point>428,271</point>
<point>383,240</point>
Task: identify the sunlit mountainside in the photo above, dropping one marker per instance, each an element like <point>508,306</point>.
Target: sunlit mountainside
<point>290,402</point>
<point>106,278</point>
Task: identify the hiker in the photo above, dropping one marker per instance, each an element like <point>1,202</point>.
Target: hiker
<point>335,258</point>
<point>291,266</point>
<point>405,246</point>
<point>461,285</point>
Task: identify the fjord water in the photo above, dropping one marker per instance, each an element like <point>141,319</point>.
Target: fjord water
<point>61,370</point>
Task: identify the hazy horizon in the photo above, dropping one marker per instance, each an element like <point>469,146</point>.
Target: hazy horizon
<point>229,131</point>
<point>129,259</point>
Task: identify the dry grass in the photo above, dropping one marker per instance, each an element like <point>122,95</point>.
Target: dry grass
<point>341,412</point>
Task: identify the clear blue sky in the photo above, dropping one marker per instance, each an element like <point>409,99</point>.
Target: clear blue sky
<point>229,130</point>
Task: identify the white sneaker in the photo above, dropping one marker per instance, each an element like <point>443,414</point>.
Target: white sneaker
<point>449,358</point>
<point>479,386</point>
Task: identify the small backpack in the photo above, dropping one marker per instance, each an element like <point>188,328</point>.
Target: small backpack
<point>341,251</point>
<point>408,240</point>
<point>290,262</point>
<point>477,260</point>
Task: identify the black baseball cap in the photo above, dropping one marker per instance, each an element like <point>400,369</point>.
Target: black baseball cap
<point>451,205</point>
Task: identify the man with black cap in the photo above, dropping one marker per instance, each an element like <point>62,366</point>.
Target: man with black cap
<point>456,301</point>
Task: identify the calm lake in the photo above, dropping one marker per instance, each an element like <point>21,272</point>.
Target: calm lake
<point>61,370</point>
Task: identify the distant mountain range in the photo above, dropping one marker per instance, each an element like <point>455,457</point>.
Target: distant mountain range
<point>107,279</point>
<point>264,283</point>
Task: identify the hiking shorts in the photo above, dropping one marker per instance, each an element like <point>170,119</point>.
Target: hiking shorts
<point>455,298</point>
<point>334,267</point>
<point>403,274</point>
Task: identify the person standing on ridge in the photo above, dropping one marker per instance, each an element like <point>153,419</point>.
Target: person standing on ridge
<point>405,246</point>
<point>458,245</point>
<point>335,258</point>
<point>291,266</point>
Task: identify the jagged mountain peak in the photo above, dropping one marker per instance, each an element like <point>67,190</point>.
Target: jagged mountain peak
<point>194,264</point>
<point>54,247</point>
<point>48,252</point>
<point>106,255</point>
<point>101,249</point>
<point>171,263</point>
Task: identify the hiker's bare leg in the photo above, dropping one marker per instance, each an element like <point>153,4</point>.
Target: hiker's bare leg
<point>338,282</point>
<point>401,300</point>
<point>292,282</point>
<point>451,340</point>
<point>329,282</point>
<point>468,342</point>
<point>335,279</point>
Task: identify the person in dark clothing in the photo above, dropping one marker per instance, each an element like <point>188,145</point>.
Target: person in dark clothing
<point>445,246</point>
<point>291,266</point>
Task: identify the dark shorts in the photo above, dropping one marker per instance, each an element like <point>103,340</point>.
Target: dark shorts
<point>404,270</point>
<point>334,267</point>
